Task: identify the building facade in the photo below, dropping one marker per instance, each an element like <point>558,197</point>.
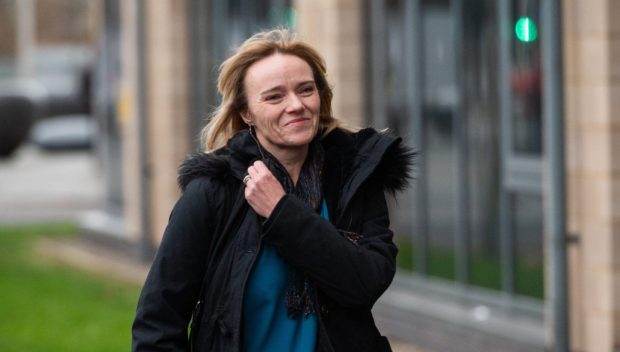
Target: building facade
<point>507,239</point>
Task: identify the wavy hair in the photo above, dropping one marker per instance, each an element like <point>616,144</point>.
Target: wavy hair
<point>226,120</point>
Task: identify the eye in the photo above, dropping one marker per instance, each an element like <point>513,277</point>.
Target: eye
<point>308,90</point>
<point>273,97</point>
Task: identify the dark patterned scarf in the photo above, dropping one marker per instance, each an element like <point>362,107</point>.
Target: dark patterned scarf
<point>300,294</point>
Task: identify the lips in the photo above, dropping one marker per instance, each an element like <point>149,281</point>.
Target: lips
<point>295,121</point>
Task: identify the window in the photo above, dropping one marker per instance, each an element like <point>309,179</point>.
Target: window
<point>438,71</point>
<point>217,28</point>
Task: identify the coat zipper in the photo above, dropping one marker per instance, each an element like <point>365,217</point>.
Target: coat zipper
<point>245,281</point>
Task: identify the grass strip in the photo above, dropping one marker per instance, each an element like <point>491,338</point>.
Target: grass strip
<point>50,307</point>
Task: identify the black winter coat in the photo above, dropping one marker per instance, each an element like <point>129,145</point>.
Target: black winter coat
<point>350,259</point>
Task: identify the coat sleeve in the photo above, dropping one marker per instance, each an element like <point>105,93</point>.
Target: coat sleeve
<point>352,274</point>
<point>173,283</point>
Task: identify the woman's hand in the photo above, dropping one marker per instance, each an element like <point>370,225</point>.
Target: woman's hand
<point>262,190</point>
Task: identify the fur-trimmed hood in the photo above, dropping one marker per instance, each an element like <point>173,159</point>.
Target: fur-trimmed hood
<point>352,157</point>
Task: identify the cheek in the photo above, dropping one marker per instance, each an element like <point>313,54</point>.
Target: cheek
<point>261,115</point>
<point>316,104</point>
<point>265,121</point>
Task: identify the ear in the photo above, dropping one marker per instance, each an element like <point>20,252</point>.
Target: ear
<point>246,117</point>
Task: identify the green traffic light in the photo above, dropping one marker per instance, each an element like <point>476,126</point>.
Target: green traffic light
<point>526,29</point>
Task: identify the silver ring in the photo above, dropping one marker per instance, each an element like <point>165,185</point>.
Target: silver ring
<point>246,179</point>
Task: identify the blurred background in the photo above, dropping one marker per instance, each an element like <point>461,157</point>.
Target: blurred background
<point>508,237</point>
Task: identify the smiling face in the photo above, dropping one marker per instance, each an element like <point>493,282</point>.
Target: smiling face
<point>283,103</point>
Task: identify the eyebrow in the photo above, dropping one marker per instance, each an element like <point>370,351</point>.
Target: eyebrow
<point>277,88</point>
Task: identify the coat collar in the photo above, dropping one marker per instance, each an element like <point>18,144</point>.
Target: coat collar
<point>350,159</point>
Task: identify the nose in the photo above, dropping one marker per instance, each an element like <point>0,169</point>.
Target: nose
<point>294,103</point>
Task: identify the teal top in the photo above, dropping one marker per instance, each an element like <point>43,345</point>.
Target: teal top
<point>266,324</point>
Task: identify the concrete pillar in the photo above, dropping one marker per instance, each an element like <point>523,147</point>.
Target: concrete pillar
<point>166,108</point>
<point>592,50</point>
<point>8,31</point>
<point>168,100</point>
<point>334,28</point>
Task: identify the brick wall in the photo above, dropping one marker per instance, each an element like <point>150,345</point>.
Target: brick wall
<point>592,50</point>
<point>167,75</point>
<point>168,110</point>
<point>334,29</point>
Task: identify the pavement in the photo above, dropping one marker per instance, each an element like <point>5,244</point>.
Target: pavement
<point>39,186</point>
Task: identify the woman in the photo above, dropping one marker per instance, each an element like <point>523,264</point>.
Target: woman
<point>282,229</point>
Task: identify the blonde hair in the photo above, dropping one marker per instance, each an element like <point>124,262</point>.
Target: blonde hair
<point>226,120</point>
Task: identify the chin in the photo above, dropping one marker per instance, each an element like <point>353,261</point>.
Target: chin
<point>293,143</point>
<point>304,138</point>
<point>299,136</point>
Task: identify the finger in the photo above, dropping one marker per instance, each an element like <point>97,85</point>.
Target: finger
<point>253,172</point>
<point>260,166</point>
<point>246,179</point>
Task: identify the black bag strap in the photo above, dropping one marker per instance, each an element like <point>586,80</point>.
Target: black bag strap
<point>234,221</point>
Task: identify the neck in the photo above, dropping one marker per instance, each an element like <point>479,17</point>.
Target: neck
<point>292,159</point>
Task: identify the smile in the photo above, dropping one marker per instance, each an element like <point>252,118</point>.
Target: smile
<point>296,121</point>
